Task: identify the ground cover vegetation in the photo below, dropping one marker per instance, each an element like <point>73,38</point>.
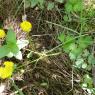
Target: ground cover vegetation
<point>47,47</point>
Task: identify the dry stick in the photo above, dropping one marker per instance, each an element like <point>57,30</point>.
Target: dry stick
<point>72,78</point>
<point>42,35</point>
<point>40,58</point>
<point>62,26</point>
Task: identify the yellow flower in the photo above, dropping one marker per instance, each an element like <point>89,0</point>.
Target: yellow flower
<point>8,64</point>
<point>2,33</point>
<point>26,26</point>
<point>6,72</point>
<point>1,71</point>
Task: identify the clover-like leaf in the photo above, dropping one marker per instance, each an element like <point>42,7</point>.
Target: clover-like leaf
<point>4,50</point>
<point>61,37</point>
<point>11,36</point>
<point>85,41</point>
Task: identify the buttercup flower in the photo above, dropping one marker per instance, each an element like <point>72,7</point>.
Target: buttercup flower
<point>2,33</point>
<point>8,64</point>
<point>1,71</point>
<point>26,26</point>
<point>6,72</point>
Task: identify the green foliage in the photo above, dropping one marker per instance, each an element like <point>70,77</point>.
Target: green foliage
<point>73,46</point>
<point>10,45</point>
<point>4,50</point>
<point>76,50</point>
<point>88,80</point>
<point>91,59</point>
<point>88,84</point>
<point>50,6</point>
<point>85,41</point>
<point>79,54</point>
<point>42,4</point>
<point>79,62</point>
<point>67,41</point>
<point>33,3</point>
<point>73,6</point>
<point>11,37</point>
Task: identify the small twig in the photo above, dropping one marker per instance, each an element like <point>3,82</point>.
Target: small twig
<point>42,56</point>
<point>62,26</point>
<point>72,79</point>
<point>42,35</point>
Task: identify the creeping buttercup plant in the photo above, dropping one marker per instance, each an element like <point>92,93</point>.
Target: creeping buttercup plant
<point>77,50</point>
<point>74,46</point>
<point>74,5</point>
<point>12,46</point>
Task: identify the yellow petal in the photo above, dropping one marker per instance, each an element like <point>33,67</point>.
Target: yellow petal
<point>1,71</point>
<point>26,26</point>
<point>6,72</point>
<point>2,33</point>
<point>8,64</point>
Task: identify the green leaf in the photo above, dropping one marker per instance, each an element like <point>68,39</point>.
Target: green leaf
<point>77,51</point>
<point>11,36</point>
<point>88,80</point>
<point>61,37</point>
<point>50,6</point>
<point>84,85</point>
<point>67,47</point>
<point>4,50</point>
<point>85,53</point>
<point>72,46</point>
<point>41,3</point>
<point>89,67</point>
<point>77,7</point>
<point>66,18</point>
<point>34,3</point>
<point>13,47</point>
<point>79,62</point>
<point>84,42</point>
<point>73,1</point>
<point>91,59</point>
<point>69,7</point>
<point>72,56</point>
<point>69,40</point>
